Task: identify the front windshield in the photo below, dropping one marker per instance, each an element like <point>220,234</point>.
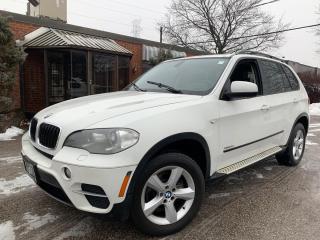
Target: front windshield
<point>186,76</point>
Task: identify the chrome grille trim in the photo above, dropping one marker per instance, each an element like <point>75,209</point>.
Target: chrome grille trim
<point>33,129</point>
<point>48,135</point>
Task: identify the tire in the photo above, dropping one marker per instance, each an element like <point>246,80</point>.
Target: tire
<point>161,220</point>
<point>287,157</point>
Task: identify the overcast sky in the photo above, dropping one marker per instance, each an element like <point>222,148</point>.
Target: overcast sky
<point>117,16</point>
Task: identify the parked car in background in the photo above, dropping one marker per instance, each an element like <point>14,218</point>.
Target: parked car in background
<point>146,152</point>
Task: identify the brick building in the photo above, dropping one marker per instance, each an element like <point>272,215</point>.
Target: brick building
<point>65,61</point>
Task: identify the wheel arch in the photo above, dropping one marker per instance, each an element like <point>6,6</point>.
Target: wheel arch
<point>303,118</point>
<point>170,143</point>
<point>123,209</point>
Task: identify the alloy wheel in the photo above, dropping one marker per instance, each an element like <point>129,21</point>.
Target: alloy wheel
<point>298,145</point>
<point>168,195</point>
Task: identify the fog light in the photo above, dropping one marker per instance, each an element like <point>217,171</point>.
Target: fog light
<point>67,172</point>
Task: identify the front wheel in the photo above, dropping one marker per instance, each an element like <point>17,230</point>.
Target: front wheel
<point>294,152</point>
<point>168,194</point>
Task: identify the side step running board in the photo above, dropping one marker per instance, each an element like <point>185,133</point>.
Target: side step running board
<point>247,162</point>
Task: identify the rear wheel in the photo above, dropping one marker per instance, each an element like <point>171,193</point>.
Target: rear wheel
<point>168,194</point>
<point>294,152</point>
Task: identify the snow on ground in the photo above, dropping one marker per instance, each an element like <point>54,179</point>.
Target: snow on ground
<point>12,159</point>
<point>314,125</point>
<point>219,195</point>
<point>16,185</point>
<point>259,176</point>
<point>7,231</point>
<point>268,168</point>
<point>10,134</point>
<point>33,222</point>
<point>309,143</point>
<point>314,109</point>
<point>79,230</point>
<point>314,130</point>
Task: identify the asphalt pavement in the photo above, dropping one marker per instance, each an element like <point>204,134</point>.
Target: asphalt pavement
<point>264,201</point>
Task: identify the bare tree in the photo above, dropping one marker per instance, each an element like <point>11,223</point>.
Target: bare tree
<point>221,26</point>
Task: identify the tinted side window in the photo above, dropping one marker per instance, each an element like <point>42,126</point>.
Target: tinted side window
<point>286,84</point>
<point>292,78</point>
<point>272,77</point>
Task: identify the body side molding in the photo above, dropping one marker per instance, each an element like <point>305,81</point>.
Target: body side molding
<point>247,144</point>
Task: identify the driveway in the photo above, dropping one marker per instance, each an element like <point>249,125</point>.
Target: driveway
<point>264,201</point>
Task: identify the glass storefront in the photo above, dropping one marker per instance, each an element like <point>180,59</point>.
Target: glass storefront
<point>73,74</point>
<point>104,73</point>
<point>123,72</point>
<point>78,84</point>
<point>58,75</point>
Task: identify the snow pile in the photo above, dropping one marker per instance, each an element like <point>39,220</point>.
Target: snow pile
<point>314,109</point>
<point>11,133</point>
<point>34,221</point>
<point>16,185</point>
<point>7,231</point>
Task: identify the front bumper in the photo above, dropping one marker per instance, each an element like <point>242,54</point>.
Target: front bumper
<point>91,188</point>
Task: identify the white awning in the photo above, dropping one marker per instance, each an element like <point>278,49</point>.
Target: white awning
<point>150,52</point>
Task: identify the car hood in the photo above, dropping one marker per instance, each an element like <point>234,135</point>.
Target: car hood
<point>86,111</point>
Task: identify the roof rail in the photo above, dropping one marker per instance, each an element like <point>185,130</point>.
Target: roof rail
<point>259,54</point>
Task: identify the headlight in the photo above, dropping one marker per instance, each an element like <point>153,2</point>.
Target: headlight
<point>103,141</point>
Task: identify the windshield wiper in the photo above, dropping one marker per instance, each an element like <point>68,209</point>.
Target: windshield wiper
<point>136,87</point>
<point>167,87</point>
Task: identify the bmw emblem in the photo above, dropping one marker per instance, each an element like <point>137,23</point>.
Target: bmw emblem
<point>168,194</point>
<point>47,116</point>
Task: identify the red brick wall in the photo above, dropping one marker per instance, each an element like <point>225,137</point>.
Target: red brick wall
<point>19,30</point>
<point>136,61</point>
<point>34,82</point>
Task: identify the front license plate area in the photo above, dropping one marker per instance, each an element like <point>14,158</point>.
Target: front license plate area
<point>30,168</point>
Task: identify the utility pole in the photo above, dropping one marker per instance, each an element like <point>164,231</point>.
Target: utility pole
<point>161,34</point>
<point>136,28</point>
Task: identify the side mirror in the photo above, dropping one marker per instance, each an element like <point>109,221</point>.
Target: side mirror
<point>240,89</point>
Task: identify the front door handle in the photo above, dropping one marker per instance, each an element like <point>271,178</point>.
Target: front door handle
<point>265,108</point>
<point>295,100</point>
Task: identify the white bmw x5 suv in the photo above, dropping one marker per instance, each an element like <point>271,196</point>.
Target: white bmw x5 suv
<point>146,152</point>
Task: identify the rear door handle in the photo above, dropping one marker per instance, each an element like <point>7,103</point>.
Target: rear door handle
<point>295,100</point>
<point>265,108</point>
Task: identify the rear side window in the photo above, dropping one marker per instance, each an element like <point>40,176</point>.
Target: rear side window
<point>291,78</point>
<point>272,77</point>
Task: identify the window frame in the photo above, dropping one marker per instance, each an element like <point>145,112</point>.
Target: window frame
<point>227,85</point>
<point>204,93</point>
<point>283,66</point>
